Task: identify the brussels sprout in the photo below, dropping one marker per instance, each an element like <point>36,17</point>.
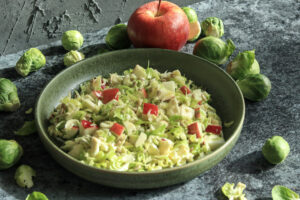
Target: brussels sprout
<point>10,153</point>
<point>214,49</point>
<point>9,100</point>
<point>102,50</point>
<point>36,196</point>
<point>32,60</point>
<point>243,64</point>
<point>212,26</point>
<point>73,57</point>
<point>276,149</point>
<point>117,37</point>
<point>27,128</point>
<point>72,40</point>
<point>23,176</point>
<point>195,28</point>
<point>255,87</point>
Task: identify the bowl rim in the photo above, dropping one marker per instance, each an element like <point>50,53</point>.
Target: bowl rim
<point>43,133</point>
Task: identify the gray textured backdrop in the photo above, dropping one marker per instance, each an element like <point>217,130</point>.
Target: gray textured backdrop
<point>27,23</point>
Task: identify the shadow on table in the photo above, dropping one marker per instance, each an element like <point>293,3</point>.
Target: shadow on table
<point>252,163</point>
<point>54,51</point>
<point>93,50</point>
<point>10,73</point>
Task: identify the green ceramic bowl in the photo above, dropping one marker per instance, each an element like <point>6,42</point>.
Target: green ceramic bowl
<point>226,98</point>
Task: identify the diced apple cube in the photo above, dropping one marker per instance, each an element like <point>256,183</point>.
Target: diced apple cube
<point>173,107</point>
<point>141,140</point>
<point>140,72</point>
<point>170,85</point>
<point>187,112</point>
<point>117,129</point>
<point>165,146</point>
<point>95,144</point>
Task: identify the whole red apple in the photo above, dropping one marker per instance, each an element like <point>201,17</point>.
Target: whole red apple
<point>163,26</point>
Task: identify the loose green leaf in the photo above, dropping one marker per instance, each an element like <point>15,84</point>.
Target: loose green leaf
<point>283,193</point>
<point>27,129</point>
<point>23,176</point>
<point>234,193</point>
<point>29,111</point>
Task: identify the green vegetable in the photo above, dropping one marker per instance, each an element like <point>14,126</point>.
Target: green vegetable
<point>255,87</point>
<point>36,196</point>
<point>213,26</point>
<point>27,128</point>
<point>10,153</point>
<point>276,149</point>
<point>29,111</point>
<point>103,50</point>
<point>73,57</point>
<point>228,124</point>
<point>214,49</point>
<point>117,37</point>
<point>195,28</point>
<point>23,176</point>
<point>9,100</point>
<point>32,60</point>
<point>234,193</point>
<point>72,40</point>
<point>283,193</point>
<point>243,64</point>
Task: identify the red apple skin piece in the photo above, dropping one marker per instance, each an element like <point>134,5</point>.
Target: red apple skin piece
<point>150,107</point>
<point>110,94</point>
<point>185,90</point>
<point>194,128</point>
<point>215,129</point>
<point>117,129</point>
<point>169,29</point>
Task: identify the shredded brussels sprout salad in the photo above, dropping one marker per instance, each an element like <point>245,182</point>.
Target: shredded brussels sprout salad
<point>142,120</point>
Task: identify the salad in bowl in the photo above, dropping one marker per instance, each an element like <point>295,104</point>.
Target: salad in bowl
<point>142,120</point>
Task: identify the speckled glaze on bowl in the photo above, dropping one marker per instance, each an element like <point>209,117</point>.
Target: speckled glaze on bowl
<point>226,98</point>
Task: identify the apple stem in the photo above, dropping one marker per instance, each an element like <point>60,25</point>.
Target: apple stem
<point>158,8</point>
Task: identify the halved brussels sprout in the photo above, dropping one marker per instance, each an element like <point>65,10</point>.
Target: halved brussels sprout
<point>243,64</point>
<point>73,57</point>
<point>9,100</point>
<point>10,153</point>
<point>212,26</point>
<point>214,49</point>
<point>255,87</point>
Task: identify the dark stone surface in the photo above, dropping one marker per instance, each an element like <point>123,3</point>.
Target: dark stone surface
<point>27,23</point>
<point>270,27</point>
